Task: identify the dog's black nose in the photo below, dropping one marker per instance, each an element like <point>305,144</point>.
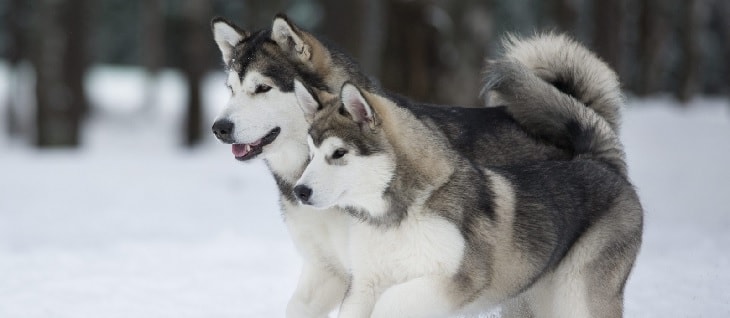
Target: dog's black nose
<point>303,193</point>
<point>223,130</point>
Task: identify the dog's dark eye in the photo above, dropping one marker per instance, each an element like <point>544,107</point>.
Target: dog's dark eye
<point>262,88</point>
<point>339,153</point>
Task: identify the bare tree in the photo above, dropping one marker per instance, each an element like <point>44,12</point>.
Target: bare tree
<point>465,30</point>
<point>153,47</point>
<point>723,8</point>
<point>76,15</point>
<point>373,35</point>
<point>411,66</point>
<point>566,15</point>
<point>60,63</point>
<point>13,19</point>
<point>692,16</point>
<point>259,13</point>
<point>608,31</point>
<point>653,30</point>
<point>339,14</point>
<point>363,36</point>
<point>195,50</point>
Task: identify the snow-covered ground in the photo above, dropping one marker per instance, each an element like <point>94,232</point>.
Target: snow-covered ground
<point>131,225</point>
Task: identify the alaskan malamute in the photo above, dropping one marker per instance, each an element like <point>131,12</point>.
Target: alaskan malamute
<point>263,120</point>
<point>441,234</point>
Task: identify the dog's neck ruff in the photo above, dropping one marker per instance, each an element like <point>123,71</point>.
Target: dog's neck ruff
<point>288,161</point>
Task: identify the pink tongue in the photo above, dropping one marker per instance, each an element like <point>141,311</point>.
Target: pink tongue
<point>239,150</point>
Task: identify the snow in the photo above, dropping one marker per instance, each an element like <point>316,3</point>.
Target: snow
<point>678,159</point>
<point>132,225</point>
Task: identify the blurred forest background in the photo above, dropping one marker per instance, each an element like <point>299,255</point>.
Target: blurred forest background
<point>430,50</point>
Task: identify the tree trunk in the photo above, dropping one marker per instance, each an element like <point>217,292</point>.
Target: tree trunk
<point>197,13</point>
<point>153,47</point>
<point>689,38</point>
<point>566,15</point>
<point>608,30</point>
<point>356,27</point>
<point>373,35</point>
<point>76,18</point>
<point>15,50</point>
<point>465,35</point>
<point>60,63</point>
<point>724,13</point>
<point>653,30</point>
<point>719,27</point>
<point>411,66</point>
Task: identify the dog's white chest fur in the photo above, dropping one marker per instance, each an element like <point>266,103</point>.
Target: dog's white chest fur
<point>320,235</point>
<point>419,246</point>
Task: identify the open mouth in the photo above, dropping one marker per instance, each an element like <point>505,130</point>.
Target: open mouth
<point>245,152</point>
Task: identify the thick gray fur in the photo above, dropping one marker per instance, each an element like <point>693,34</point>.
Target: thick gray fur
<point>552,114</point>
<point>532,231</point>
<point>566,65</point>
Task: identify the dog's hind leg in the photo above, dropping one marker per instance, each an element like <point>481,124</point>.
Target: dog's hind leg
<point>589,281</point>
<point>318,292</point>
<point>607,273</point>
<point>560,294</point>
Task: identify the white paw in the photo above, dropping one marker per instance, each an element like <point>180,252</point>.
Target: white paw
<point>298,309</point>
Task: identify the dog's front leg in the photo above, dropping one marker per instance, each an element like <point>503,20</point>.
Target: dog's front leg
<point>359,300</point>
<point>318,292</point>
<point>426,296</point>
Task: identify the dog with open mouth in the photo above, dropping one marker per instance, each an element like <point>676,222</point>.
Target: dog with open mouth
<point>263,120</point>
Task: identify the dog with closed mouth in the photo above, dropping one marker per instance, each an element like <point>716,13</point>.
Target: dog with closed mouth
<point>442,235</point>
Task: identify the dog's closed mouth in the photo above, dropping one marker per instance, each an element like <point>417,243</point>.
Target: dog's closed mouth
<point>245,152</point>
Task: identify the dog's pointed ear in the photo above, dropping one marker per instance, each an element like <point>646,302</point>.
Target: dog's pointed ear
<point>289,37</point>
<point>357,106</point>
<point>306,101</point>
<point>227,35</point>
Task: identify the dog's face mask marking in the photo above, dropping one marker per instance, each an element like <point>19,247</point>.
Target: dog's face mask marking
<point>349,166</point>
<point>257,112</point>
<point>261,116</point>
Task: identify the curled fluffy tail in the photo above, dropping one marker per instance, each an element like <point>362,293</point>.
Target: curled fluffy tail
<point>546,111</point>
<point>569,67</point>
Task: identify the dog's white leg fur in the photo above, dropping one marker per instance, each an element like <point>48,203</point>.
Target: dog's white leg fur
<point>421,297</point>
<point>559,296</point>
<point>359,301</point>
<point>383,258</point>
<point>565,291</point>
<point>321,237</point>
<point>318,292</point>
